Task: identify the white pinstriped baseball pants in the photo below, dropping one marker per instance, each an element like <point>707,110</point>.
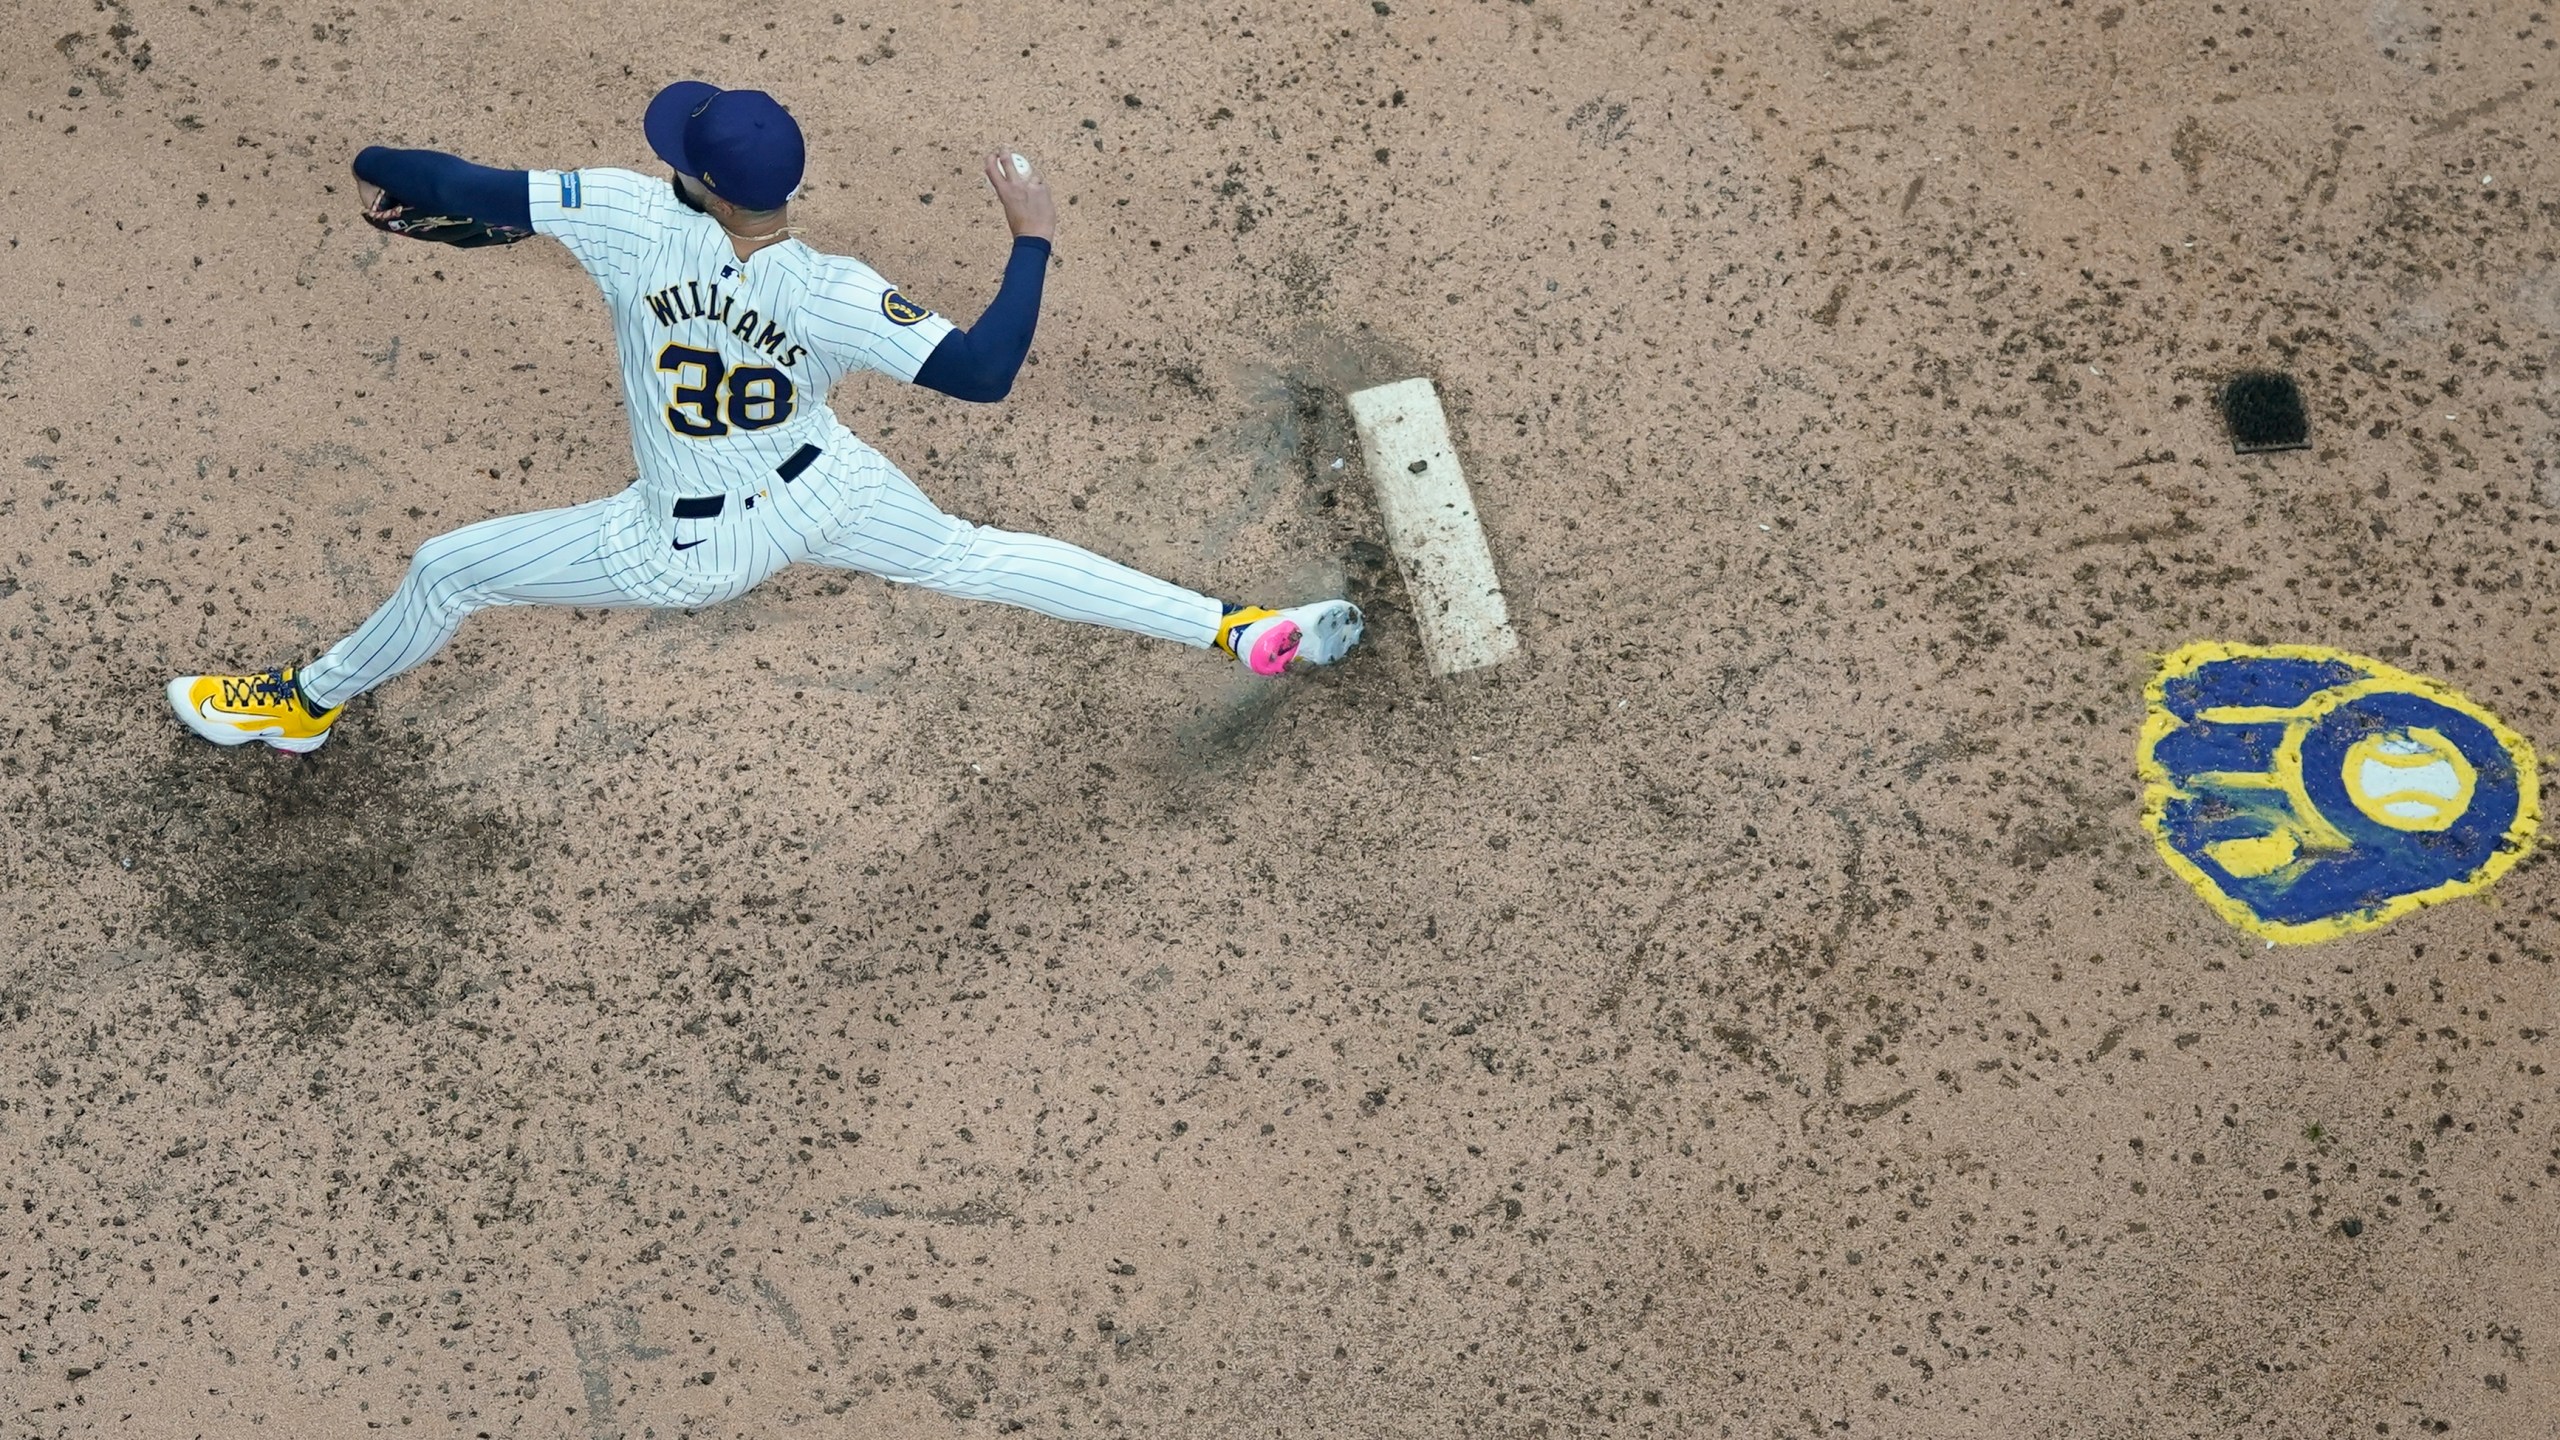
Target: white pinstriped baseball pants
<point>557,557</point>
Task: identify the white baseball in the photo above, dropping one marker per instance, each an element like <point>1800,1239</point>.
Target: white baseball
<point>2408,781</point>
<point>1021,167</point>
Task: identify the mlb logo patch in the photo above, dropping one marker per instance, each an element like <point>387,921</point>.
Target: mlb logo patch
<point>570,196</point>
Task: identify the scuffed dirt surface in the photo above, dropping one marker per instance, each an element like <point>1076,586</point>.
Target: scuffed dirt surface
<point>1754,1013</point>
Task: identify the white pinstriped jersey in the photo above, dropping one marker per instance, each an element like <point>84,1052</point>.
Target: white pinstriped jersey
<point>726,363</point>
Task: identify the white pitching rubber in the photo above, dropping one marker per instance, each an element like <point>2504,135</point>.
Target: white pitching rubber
<point>1432,526</point>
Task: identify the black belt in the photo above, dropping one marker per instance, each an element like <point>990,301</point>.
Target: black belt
<point>705,507</point>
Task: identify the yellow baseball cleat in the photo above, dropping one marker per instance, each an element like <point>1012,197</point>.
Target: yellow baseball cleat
<point>236,709</point>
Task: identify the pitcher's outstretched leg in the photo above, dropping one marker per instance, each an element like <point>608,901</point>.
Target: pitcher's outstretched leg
<point>907,538</point>
<point>547,557</point>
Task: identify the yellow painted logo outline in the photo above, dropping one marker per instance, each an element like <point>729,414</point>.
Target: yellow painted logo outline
<point>2158,723</point>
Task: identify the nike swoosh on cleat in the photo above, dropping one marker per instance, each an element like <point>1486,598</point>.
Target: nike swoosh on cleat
<point>689,544</point>
<point>211,711</point>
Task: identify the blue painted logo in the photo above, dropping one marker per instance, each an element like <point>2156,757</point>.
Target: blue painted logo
<point>2307,793</point>
<point>571,193</point>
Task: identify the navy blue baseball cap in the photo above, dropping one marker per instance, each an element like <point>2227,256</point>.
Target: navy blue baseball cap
<point>741,144</point>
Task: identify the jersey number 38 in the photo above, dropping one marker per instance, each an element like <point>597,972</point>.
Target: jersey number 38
<point>757,396</point>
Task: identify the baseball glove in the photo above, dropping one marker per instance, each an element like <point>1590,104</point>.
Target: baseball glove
<point>394,216</point>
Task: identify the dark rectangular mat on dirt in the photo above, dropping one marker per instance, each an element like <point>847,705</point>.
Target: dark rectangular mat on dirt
<point>2264,410</point>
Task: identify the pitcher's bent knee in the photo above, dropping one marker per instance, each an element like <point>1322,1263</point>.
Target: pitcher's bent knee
<point>439,555</point>
<point>442,572</point>
<point>951,561</point>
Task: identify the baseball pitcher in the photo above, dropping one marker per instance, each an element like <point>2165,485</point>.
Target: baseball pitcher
<point>731,334</point>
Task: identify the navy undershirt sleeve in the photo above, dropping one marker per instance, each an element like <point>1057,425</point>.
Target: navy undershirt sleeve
<point>442,184</point>
<point>979,363</point>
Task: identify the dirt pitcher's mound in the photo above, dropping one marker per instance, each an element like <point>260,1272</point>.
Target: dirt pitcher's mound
<point>1755,1009</point>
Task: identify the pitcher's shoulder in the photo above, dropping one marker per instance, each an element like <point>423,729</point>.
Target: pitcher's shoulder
<point>860,294</point>
<point>830,269</point>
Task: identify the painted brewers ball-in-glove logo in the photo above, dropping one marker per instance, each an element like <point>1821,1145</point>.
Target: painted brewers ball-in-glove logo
<point>2306,793</point>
